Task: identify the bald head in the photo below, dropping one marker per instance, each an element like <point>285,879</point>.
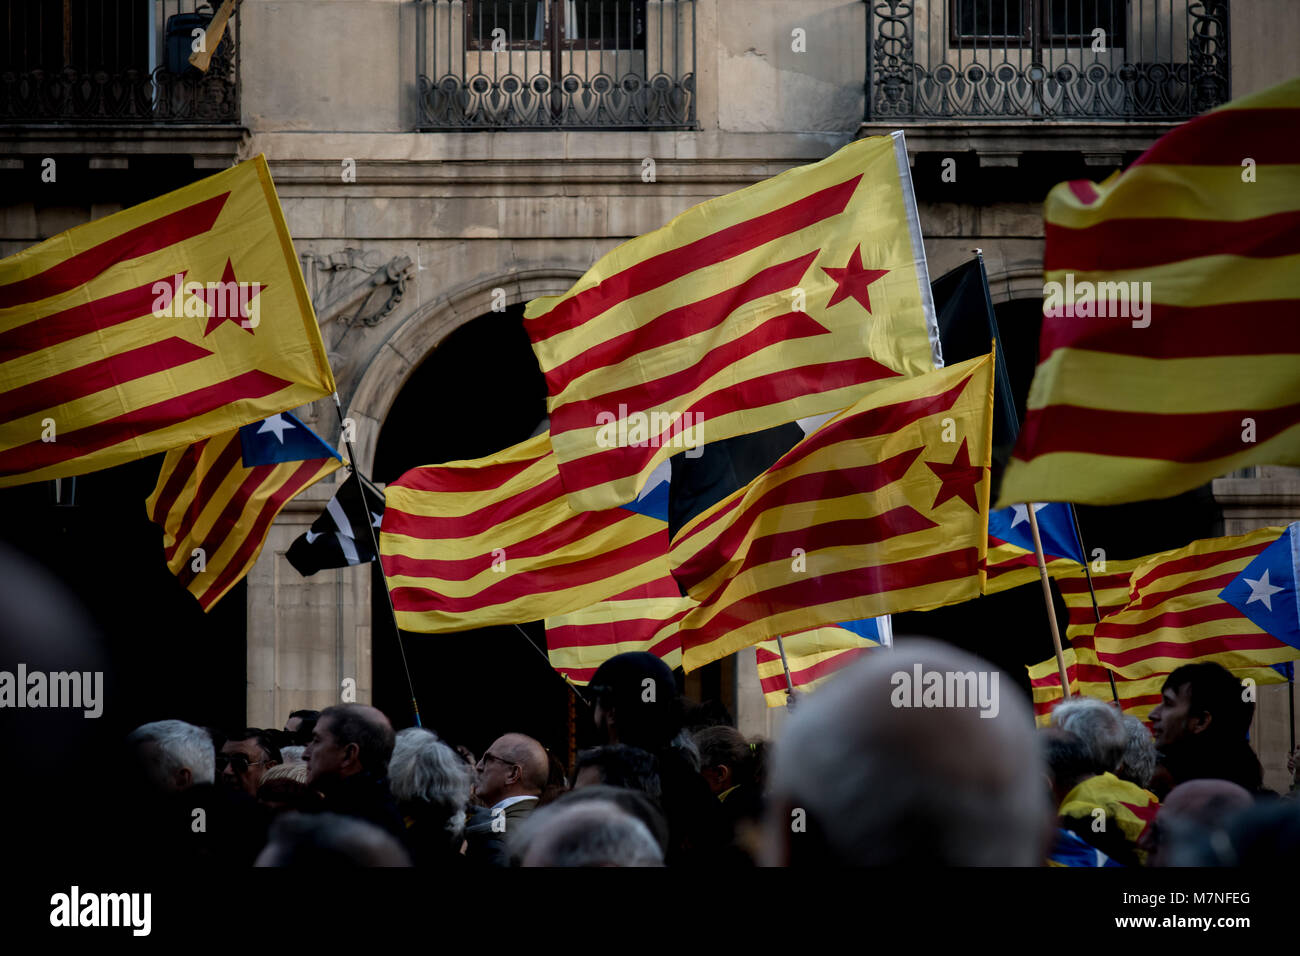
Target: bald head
<point>1189,810</point>
<point>347,740</point>
<point>920,755</point>
<point>514,766</point>
<point>590,833</point>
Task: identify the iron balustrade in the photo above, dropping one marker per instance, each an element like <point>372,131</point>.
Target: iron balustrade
<point>546,64</point>
<point>1071,60</point>
<point>114,61</point>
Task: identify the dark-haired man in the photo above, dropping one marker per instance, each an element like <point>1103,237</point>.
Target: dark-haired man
<point>1200,728</point>
<point>244,757</point>
<point>299,726</point>
<point>347,761</point>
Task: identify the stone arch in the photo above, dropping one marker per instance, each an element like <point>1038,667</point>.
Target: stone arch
<point>1017,280</point>
<point>419,334</point>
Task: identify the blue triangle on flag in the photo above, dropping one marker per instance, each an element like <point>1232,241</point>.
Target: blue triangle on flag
<point>653,500</point>
<point>281,438</point>
<point>1055,527</point>
<point>1265,590</point>
<point>867,627</point>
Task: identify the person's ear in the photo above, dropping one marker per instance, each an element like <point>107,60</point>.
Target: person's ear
<point>1198,724</point>
<point>352,753</point>
<point>184,777</point>
<point>724,774</point>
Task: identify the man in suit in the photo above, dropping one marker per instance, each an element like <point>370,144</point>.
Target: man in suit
<point>511,775</point>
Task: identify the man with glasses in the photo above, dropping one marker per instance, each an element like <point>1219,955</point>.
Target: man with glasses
<point>245,757</point>
<point>511,776</point>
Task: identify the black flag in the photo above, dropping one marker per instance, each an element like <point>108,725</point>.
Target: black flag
<point>339,537</point>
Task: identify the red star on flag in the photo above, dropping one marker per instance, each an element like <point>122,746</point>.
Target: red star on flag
<point>217,301</point>
<point>853,280</point>
<point>959,478</point>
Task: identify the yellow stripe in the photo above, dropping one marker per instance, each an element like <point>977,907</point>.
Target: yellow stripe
<point>1207,280</point>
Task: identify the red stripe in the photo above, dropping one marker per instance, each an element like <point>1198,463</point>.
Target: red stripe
<point>1185,438</point>
<point>1257,328</point>
<point>1226,137</point>
<point>1084,191</point>
<point>176,481</point>
<point>809,592</point>
<point>484,519</point>
<point>231,512</point>
<point>798,489</point>
<point>81,319</point>
<point>79,269</point>
<point>97,376</point>
<point>662,391</point>
<point>256,534</point>
<point>672,264</point>
<point>549,579</point>
<point>1100,582</point>
<point>826,666</point>
<point>461,479</point>
<point>82,441</point>
<point>549,542</point>
<point>1196,586</point>
<point>230,458</point>
<point>683,322</point>
<point>1110,629</point>
<point>1193,650</point>
<point>665,587</point>
<point>1197,562</point>
<point>618,632</point>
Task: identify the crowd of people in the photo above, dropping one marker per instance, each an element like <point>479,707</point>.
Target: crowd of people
<point>853,779</point>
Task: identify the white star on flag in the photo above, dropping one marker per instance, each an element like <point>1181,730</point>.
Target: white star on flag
<point>277,426</point>
<point>1261,590</point>
<point>1021,513</point>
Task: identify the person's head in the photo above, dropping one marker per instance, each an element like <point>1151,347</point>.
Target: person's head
<point>728,760</point>
<point>300,725</point>
<point>1098,725</point>
<point>245,757</point>
<point>514,766</point>
<point>1139,762</point>
<point>586,833</point>
<point>1200,703</point>
<point>619,766</point>
<point>427,775</point>
<point>634,802</point>
<point>174,755</point>
<point>347,740</point>
<point>864,774</point>
<point>1264,835</point>
<point>635,701</point>
<point>285,788</point>
<point>1068,759</point>
<point>1190,811</point>
<point>329,841</point>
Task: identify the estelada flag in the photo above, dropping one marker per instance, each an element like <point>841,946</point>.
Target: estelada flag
<point>493,541</point>
<point>643,618</point>
<point>814,656</point>
<point>1012,560</point>
<point>178,319</point>
<point>787,299</point>
<point>882,509</point>
<point>1170,349</point>
<point>216,499</point>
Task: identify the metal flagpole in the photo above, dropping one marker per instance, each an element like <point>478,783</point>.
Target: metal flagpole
<point>564,677</point>
<point>374,543</point>
<point>1047,599</point>
<point>1290,692</point>
<point>1087,572</point>
<point>789,681</point>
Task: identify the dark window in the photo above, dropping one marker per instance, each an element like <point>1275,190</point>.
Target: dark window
<point>108,35</point>
<point>1040,22</point>
<point>547,24</point>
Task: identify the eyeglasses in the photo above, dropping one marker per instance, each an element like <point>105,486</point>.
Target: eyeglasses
<point>238,762</point>
<point>491,756</point>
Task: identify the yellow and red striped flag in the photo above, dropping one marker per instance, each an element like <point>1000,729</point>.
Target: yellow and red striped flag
<point>493,541</point>
<point>814,657</point>
<point>644,618</point>
<point>788,299</point>
<point>1203,234</point>
<point>1128,808</point>
<point>882,509</point>
<point>1182,608</point>
<point>216,499</point>
<point>175,320</point>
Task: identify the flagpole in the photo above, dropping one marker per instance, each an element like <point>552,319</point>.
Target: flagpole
<point>564,677</point>
<point>789,681</point>
<point>1092,592</point>
<point>1047,599</point>
<point>374,542</point>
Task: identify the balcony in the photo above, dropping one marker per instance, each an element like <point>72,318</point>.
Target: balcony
<point>113,63</point>
<point>555,64</point>
<point>1068,61</point>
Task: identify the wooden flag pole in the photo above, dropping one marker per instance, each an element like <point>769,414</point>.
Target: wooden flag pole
<point>1047,599</point>
<point>789,681</point>
<point>1092,592</point>
<point>213,35</point>
<point>374,543</point>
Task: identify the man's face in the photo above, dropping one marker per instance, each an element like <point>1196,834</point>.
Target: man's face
<point>496,773</point>
<point>244,762</point>
<point>292,724</point>
<point>1170,719</point>
<point>326,758</point>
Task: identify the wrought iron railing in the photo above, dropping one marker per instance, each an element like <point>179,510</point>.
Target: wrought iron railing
<point>114,61</point>
<point>1075,60</point>
<point>543,64</point>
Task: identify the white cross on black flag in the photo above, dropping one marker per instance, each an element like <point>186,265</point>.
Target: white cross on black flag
<point>338,538</point>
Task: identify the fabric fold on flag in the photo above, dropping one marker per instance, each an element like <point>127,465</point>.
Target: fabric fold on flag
<point>178,319</point>
<point>815,656</point>
<point>340,538</point>
<point>1012,560</point>
<point>217,498</point>
<point>882,509</point>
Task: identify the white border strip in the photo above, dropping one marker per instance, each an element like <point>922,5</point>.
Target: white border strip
<point>918,246</point>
